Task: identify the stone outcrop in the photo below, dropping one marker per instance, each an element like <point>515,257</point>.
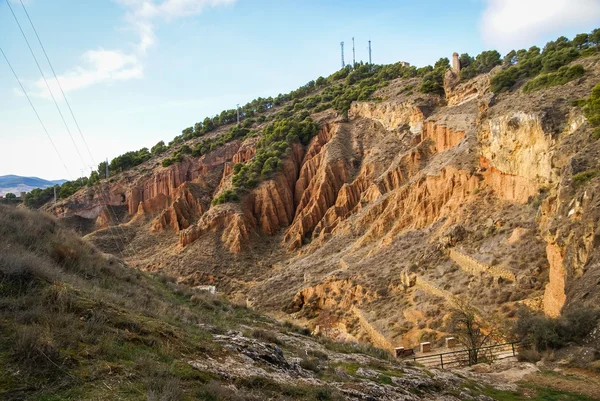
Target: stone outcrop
<point>516,144</point>
<point>384,192</point>
<point>392,115</point>
<point>554,296</point>
<point>272,203</point>
<point>405,208</point>
<point>233,227</point>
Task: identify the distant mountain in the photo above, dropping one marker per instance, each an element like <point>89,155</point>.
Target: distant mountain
<point>16,184</point>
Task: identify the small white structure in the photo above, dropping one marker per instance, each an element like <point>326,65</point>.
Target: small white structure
<point>426,347</point>
<point>451,342</point>
<point>210,288</point>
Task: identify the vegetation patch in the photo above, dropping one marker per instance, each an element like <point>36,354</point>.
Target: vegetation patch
<point>525,64</point>
<point>560,77</point>
<point>273,146</point>
<point>585,176</point>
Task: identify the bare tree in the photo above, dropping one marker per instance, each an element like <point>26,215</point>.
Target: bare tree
<point>470,329</point>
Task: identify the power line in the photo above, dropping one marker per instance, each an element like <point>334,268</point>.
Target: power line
<point>58,82</point>
<point>35,111</point>
<point>108,208</point>
<point>45,81</point>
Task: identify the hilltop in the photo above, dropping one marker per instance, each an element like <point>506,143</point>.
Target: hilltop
<point>16,184</point>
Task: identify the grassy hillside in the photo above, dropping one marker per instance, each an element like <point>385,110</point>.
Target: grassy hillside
<point>76,324</point>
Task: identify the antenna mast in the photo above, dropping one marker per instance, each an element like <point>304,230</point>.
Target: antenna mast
<point>238,113</point>
<point>343,63</point>
<point>353,54</point>
<point>107,168</point>
<point>370,63</point>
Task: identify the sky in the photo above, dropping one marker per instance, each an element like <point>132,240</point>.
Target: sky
<point>139,71</point>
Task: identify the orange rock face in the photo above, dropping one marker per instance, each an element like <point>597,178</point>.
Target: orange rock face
<point>184,210</point>
<point>166,181</point>
<point>443,137</point>
<point>323,173</point>
<point>554,296</point>
<point>507,186</point>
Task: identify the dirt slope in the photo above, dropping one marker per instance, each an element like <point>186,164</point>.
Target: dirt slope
<point>371,230</point>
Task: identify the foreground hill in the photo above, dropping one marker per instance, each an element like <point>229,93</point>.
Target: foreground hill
<point>368,204</point>
<point>77,324</point>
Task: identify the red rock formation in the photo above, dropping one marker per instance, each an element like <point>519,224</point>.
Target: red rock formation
<point>507,186</point>
<point>443,137</point>
<point>185,208</point>
<point>272,203</point>
<point>321,177</point>
<point>234,226</point>
<point>166,180</point>
<point>417,205</point>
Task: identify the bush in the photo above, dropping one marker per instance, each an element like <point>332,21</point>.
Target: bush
<point>265,336</point>
<point>530,63</point>
<point>433,82</point>
<point>561,77</point>
<point>311,364</point>
<point>225,196</point>
<point>585,176</point>
<point>272,148</point>
<point>528,355</point>
<point>541,333</point>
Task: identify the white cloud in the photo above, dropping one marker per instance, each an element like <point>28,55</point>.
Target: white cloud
<point>143,15</point>
<point>102,66</point>
<point>516,23</point>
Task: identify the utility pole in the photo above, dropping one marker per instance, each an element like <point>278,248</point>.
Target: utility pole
<point>343,63</point>
<point>353,54</point>
<point>55,194</point>
<point>370,63</point>
<point>107,168</point>
<point>238,113</point>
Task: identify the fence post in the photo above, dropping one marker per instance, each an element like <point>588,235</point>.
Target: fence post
<point>442,360</point>
<point>513,348</point>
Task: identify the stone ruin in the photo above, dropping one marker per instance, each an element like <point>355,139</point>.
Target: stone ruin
<point>455,62</point>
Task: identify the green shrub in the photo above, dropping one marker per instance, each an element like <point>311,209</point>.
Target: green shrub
<point>560,77</point>
<point>311,364</point>
<point>585,176</point>
<point>433,82</point>
<point>541,333</point>
<point>277,138</point>
<point>523,64</point>
<point>225,196</point>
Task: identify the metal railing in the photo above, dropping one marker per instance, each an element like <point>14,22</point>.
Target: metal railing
<point>468,357</point>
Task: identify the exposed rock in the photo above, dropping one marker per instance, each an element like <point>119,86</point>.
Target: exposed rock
<point>392,115</point>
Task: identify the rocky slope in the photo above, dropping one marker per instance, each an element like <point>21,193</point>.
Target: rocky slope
<point>385,217</point>
<point>79,324</point>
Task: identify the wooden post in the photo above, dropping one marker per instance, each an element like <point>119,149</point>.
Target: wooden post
<point>442,360</point>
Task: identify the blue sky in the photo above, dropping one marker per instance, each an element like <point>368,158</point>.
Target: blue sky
<point>139,71</point>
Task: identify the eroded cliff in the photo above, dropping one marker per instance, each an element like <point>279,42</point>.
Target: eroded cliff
<point>387,216</point>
